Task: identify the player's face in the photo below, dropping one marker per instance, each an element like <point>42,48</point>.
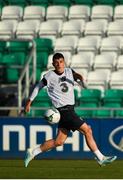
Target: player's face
<point>59,65</point>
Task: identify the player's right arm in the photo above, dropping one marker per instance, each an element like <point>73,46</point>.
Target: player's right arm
<point>35,91</point>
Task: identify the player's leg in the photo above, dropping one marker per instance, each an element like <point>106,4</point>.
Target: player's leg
<point>101,159</point>
<point>46,146</point>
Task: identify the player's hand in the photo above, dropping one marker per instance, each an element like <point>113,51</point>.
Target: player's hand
<point>27,107</point>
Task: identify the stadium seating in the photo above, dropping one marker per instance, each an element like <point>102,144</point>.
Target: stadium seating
<point>102,12</point>
<point>57,12</point>
<point>96,28</point>
<point>89,44</point>
<point>118,12</point>
<point>79,12</point>
<point>12,13</point>
<point>34,13</point>
<point>89,33</point>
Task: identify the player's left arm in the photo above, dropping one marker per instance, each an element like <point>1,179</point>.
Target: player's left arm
<point>79,79</point>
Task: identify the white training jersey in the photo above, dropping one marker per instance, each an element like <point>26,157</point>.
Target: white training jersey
<point>60,87</point>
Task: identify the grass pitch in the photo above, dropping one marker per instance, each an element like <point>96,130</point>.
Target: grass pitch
<point>60,169</point>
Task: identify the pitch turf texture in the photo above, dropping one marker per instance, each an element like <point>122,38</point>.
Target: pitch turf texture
<point>60,169</point>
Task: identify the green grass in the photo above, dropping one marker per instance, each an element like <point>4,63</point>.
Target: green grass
<point>64,169</point>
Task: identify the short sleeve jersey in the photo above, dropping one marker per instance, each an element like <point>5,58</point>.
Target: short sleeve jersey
<point>60,87</point>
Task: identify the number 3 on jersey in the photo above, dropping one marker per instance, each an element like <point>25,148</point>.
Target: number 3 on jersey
<point>64,87</point>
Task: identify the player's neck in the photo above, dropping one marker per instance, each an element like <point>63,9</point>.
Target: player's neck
<point>59,73</point>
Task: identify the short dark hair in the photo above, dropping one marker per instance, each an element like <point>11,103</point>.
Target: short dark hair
<point>57,56</point>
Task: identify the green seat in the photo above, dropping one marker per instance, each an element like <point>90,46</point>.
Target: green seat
<point>84,2</point>
<point>102,114</point>
<point>12,75</point>
<point>67,3</point>
<point>119,113</point>
<point>43,48</point>
<point>113,97</point>
<point>120,2</point>
<point>22,3</point>
<point>90,97</point>
<point>106,2</point>
<point>14,59</point>
<point>44,3</point>
<point>44,45</point>
<point>19,46</point>
<point>83,113</point>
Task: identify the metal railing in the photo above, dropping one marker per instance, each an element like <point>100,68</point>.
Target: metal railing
<point>23,90</point>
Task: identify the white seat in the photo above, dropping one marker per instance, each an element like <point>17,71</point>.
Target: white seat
<point>116,81</point>
<point>110,44</point>
<point>57,12</point>
<point>83,60</point>
<point>119,62</point>
<point>34,13</point>
<point>73,27</point>
<point>27,30</point>
<point>66,43</point>
<point>105,61</point>
<point>115,28</point>
<point>96,27</point>
<point>118,12</point>
<point>67,56</point>
<point>7,29</point>
<point>98,79</point>
<point>102,12</point>
<point>50,28</point>
<point>89,43</point>
<point>12,13</point>
<point>79,12</point>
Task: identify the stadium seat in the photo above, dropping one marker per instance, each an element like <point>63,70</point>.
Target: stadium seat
<point>89,43</point>
<point>73,28</point>
<point>34,13</point>
<point>107,2</point>
<point>104,112</point>
<point>105,61</point>
<point>12,75</point>
<point>116,81</point>
<point>86,2</point>
<point>44,3</point>
<point>83,113</point>
<point>66,43</point>
<point>12,13</point>
<point>43,48</point>
<point>84,60</point>
<point>90,97</point>
<point>27,30</point>
<point>96,28</point>
<point>118,12</point>
<point>7,30</point>
<point>57,12</point>
<point>18,3</point>
<point>50,28</point>
<point>115,28</point>
<point>79,12</point>
<point>119,65</point>
<point>98,79</point>
<point>111,44</point>
<point>113,98</point>
<point>102,12</point>
<point>62,2</point>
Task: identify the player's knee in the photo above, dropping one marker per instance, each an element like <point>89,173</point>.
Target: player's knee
<point>59,143</point>
<point>88,131</point>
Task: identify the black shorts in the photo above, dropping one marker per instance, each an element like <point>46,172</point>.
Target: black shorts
<point>69,119</point>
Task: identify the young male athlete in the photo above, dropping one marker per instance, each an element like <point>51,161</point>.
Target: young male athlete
<point>60,86</point>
